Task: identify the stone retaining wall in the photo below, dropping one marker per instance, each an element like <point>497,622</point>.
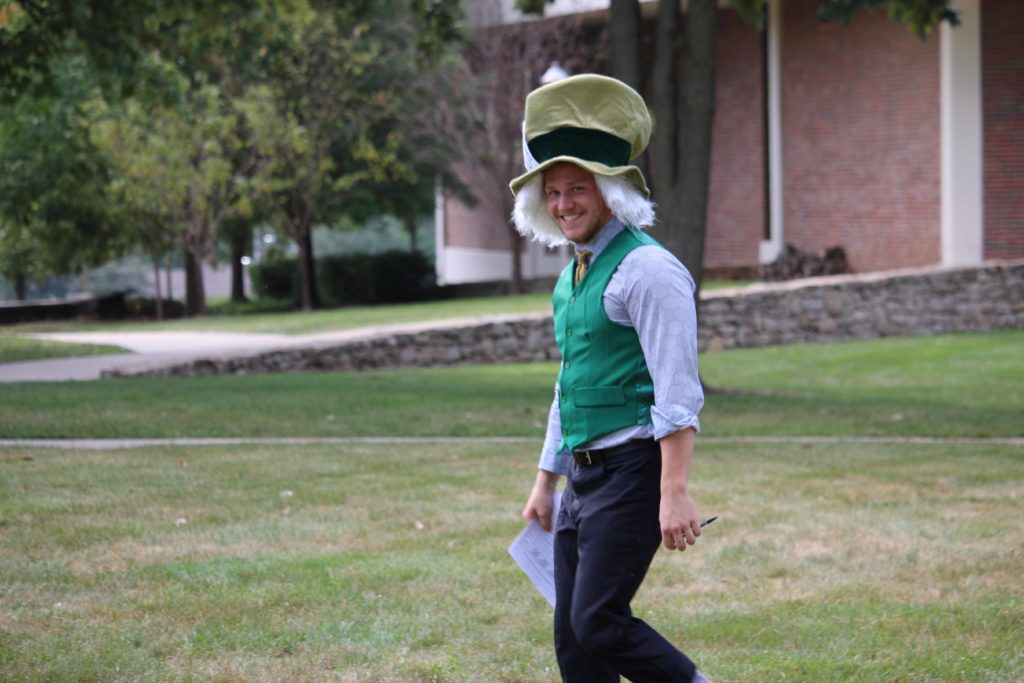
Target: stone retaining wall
<point>899,303</point>
<point>885,304</point>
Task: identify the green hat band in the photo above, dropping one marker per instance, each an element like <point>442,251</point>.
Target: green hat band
<point>583,143</point>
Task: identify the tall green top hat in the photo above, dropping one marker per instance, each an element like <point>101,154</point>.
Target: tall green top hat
<point>596,122</point>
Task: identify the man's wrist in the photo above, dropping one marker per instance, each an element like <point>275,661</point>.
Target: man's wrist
<point>672,486</point>
<point>546,481</point>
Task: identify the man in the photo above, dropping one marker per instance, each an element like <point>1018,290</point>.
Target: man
<point>624,417</point>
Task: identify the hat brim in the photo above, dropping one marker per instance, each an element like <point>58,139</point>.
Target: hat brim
<point>631,173</point>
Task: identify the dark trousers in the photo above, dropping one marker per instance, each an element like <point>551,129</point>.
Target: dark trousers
<point>605,538</point>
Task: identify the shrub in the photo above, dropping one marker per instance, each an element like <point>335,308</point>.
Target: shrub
<point>352,279</point>
<point>275,279</point>
<point>144,308</point>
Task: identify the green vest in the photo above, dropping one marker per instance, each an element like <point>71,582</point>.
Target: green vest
<point>603,383</point>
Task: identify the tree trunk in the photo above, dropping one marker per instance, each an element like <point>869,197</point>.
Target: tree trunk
<point>20,286</point>
<point>195,296</point>
<point>241,238</point>
<point>515,285</point>
<point>624,32</point>
<point>663,87</point>
<point>168,272</point>
<point>627,64</point>
<point>685,222</point>
<point>159,300</point>
<point>308,297</point>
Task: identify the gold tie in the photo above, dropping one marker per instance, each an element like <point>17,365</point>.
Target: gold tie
<point>582,260</point>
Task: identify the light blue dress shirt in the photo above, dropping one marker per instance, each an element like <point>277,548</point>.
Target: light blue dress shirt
<point>652,292</point>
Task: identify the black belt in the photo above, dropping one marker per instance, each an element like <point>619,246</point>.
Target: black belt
<point>592,456</point>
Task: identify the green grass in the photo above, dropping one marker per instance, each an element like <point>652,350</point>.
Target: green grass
<point>387,563</point>
<point>14,349</point>
<point>271,316</point>
<point>948,385</point>
<point>320,321</point>
<point>951,385</point>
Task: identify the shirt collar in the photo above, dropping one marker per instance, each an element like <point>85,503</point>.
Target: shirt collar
<point>601,240</point>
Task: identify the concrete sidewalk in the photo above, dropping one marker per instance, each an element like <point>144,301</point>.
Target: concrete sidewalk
<point>114,444</point>
<point>148,349</point>
<point>159,349</point>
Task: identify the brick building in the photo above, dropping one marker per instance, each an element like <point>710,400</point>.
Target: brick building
<point>904,151</point>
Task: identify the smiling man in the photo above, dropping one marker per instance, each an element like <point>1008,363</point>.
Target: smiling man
<point>623,420</point>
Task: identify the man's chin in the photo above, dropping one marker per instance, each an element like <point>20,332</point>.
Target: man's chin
<point>573,233</point>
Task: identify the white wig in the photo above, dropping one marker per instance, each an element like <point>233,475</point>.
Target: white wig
<point>531,218</point>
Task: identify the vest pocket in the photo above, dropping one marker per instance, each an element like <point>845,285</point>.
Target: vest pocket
<point>594,397</point>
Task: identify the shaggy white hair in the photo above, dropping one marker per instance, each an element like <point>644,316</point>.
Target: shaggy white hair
<point>531,218</point>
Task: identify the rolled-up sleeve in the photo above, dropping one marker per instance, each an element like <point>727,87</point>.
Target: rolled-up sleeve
<point>653,292</point>
<point>551,458</point>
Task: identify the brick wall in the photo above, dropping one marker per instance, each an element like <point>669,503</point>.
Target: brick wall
<point>1002,68</point>
<point>860,111</point>
<point>736,201</point>
<point>482,226</point>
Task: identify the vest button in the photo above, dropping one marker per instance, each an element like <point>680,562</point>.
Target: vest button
<point>565,432</point>
<point>566,366</point>
<point>572,299</point>
<point>568,332</point>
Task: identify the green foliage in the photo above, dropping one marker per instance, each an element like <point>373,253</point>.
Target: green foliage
<point>389,277</point>
<point>115,38</point>
<point>275,279</point>
<point>53,185</point>
<point>439,27</point>
<point>919,16</point>
<point>531,6</point>
<point>189,116</point>
<point>352,279</point>
<point>752,11</point>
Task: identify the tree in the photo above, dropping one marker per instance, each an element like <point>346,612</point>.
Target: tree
<point>505,62</point>
<point>205,74</point>
<point>314,111</point>
<point>146,192</point>
<point>433,119</point>
<point>118,46</point>
<point>172,175</point>
<point>53,204</point>
<point>346,120</point>
<point>683,103</point>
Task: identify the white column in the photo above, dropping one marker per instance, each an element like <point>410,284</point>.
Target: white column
<point>961,137</point>
<point>772,247</point>
<point>440,248</point>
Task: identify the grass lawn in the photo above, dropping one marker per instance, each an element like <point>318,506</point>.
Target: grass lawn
<point>386,563</point>
<point>226,318</point>
<point>319,321</point>
<point>875,562</point>
<point>952,385</point>
<point>14,349</point>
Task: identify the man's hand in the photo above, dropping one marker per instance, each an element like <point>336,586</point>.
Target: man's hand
<point>542,499</point>
<point>680,525</point>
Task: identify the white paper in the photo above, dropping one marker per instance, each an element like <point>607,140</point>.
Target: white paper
<point>534,552</point>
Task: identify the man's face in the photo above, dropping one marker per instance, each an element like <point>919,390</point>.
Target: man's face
<point>575,202</point>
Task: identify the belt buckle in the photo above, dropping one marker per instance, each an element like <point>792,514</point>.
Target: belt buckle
<point>580,455</point>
